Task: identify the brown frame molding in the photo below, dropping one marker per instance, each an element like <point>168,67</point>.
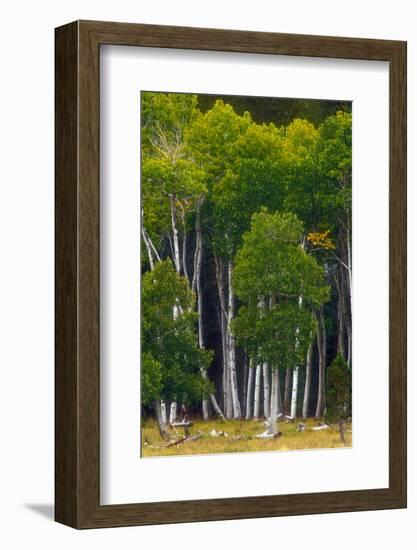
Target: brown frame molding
<point>77,274</point>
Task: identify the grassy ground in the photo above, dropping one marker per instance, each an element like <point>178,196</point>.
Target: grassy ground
<point>152,444</point>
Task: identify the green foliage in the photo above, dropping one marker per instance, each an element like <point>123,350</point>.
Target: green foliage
<point>263,190</point>
<point>279,282</point>
<point>151,379</point>
<point>271,262</point>
<point>279,334</point>
<point>254,178</point>
<point>338,396</point>
<point>171,359</point>
<point>164,119</point>
<point>212,139</point>
<point>335,146</point>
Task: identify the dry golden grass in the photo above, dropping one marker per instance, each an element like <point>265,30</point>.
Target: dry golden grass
<point>152,444</point>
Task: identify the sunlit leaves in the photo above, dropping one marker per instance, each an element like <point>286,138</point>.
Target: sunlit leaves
<point>321,239</point>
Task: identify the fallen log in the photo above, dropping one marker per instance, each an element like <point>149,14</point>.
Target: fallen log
<point>268,435</point>
<point>320,427</point>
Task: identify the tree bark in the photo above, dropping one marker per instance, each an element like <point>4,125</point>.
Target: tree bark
<point>161,422</point>
<point>163,411</point>
<point>249,390</point>
<point>321,346</point>
<point>280,407</point>
<point>340,312</point>
<point>176,248</point>
<point>197,279</point>
<point>173,412</point>
<point>294,393</point>
<point>287,389</point>
<point>184,249</point>
<point>148,247</point>
<point>267,393</point>
<point>227,398</point>
<point>256,397</point>
<point>273,426</point>
<point>308,379</point>
<point>237,412</point>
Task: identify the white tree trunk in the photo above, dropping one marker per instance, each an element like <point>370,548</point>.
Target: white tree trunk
<point>148,247</point>
<point>273,425</point>
<point>321,346</point>
<point>176,247</point>
<point>237,412</point>
<point>267,394</point>
<point>163,430</point>
<point>249,390</point>
<point>163,412</point>
<point>227,397</point>
<point>184,251</point>
<point>173,412</point>
<point>256,397</point>
<point>308,379</point>
<point>280,407</point>
<point>294,393</point>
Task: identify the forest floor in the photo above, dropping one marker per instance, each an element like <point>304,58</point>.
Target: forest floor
<point>290,440</point>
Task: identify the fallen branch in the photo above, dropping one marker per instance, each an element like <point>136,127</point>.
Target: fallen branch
<point>268,435</point>
<point>176,442</point>
<point>321,427</point>
<point>184,439</point>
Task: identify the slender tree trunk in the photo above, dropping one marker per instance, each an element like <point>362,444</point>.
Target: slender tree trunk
<point>256,397</point>
<point>198,253</point>
<point>163,410</point>
<point>197,277</point>
<point>280,407</point>
<point>176,247</point>
<point>173,412</point>
<point>294,393</point>
<point>267,393</point>
<point>227,398</point>
<point>340,312</point>
<point>273,426</point>
<point>162,428</point>
<point>321,346</point>
<point>308,379</point>
<point>349,254</point>
<point>249,390</point>
<point>216,406</point>
<point>287,390</point>
<point>237,412</point>
<point>148,247</point>
<point>348,322</point>
<point>244,384</point>
<point>184,249</point>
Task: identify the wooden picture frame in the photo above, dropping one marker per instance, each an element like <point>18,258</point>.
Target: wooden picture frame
<point>77,374</point>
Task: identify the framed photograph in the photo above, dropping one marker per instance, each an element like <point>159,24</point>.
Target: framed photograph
<point>230,274</point>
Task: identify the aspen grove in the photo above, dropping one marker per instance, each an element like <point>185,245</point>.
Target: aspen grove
<point>246,276</point>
